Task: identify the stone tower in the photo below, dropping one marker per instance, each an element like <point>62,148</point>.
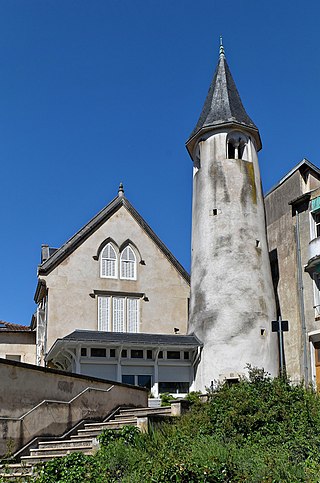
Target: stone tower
<point>232,301</point>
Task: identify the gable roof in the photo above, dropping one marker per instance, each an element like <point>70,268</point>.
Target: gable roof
<point>223,104</point>
<point>96,222</point>
<point>305,163</point>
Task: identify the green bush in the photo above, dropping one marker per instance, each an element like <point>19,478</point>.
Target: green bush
<point>259,430</point>
<point>166,399</point>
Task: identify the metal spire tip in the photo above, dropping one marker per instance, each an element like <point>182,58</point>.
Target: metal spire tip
<point>221,51</point>
<point>120,190</point>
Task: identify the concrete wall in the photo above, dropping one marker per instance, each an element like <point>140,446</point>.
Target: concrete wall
<point>18,343</point>
<point>71,307</point>
<point>37,401</point>
<point>281,226</point>
<point>231,288</point>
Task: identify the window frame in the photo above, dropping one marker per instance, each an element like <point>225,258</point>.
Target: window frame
<point>108,325</point>
<point>127,260</point>
<point>105,258</point>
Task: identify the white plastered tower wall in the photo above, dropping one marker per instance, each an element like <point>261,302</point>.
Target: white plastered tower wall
<point>232,300</point>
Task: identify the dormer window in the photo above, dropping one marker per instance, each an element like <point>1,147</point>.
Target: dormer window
<point>128,264</point>
<point>109,262</point>
<point>236,144</point>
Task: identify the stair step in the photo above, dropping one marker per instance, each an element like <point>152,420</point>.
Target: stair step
<point>47,457</point>
<point>67,443</point>
<point>108,424</point>
<point>144,412</point>
<point>15,470</point>
<point>62,449</point>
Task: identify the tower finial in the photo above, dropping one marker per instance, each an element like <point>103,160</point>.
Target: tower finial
<point>221,51</point>
<point>120,190</point>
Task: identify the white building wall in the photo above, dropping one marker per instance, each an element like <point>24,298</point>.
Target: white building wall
<point>232,300</point>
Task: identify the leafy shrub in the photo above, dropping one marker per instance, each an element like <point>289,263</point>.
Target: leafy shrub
<point>193,397</point>
<point>166,399</point>
<point>259,430</point>
<point>127,434</point>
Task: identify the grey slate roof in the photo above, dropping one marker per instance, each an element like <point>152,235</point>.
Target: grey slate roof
<point>133,338</point>
<point>223,104</point>
<point>74,242</point>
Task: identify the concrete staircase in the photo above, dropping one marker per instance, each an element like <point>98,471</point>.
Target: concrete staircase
<point>83,441</point>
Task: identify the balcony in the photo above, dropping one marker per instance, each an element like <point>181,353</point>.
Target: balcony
<point>314,255</point>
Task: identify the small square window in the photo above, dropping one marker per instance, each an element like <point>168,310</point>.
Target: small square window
<point>136,354</point>
<point>83,351</point>
<point>149,354</point>
<point>186,355</point>
<point>112,353</point>
<point>124,353</point>
<point>13,357</point>
<point>98,352</point>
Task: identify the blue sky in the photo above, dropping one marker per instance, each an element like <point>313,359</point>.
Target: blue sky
<point>94,92</point>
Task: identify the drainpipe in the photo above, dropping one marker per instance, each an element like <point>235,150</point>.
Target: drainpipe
<point>301,301</point>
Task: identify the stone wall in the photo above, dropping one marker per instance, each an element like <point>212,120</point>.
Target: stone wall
<point>36,401</point>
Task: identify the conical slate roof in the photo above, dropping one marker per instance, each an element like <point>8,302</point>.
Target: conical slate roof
<point>223,104</point>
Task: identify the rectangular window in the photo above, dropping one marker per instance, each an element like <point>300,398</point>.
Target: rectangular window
<point>173,387</point>
<point>186,355</point>
<point>112,353</point>
<point>136,354</point>
<point>132,311</point>
<point>118,314</point>
<point>124,353</point>
<point>316,217</point>
<point>83,351</point>
<point>104,304</point>
<point>144,381</point>
<point>316,291</point>
<point>128,379</point>
<point>173,354</point>
<point>160,356</point>
<point>149,354</point>
<point>98,352</point>
<point>13,357</point>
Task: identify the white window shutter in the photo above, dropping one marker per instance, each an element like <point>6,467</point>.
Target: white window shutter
<point>118,314</point>
<point>128,264</point>
<point>132,315</point>
<point>104,313</point>
<point>108,262</point>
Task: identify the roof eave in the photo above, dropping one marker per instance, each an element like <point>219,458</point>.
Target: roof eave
<point>191,142</point>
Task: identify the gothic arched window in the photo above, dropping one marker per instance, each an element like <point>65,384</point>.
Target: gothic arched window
<point>128,264</point>
<point>109,262</point>
<point>236,143</point>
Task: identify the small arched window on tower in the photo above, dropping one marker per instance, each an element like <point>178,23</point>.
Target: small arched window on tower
<point>128,264</point>
<point>236,145</point>
<point>109,262</point>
